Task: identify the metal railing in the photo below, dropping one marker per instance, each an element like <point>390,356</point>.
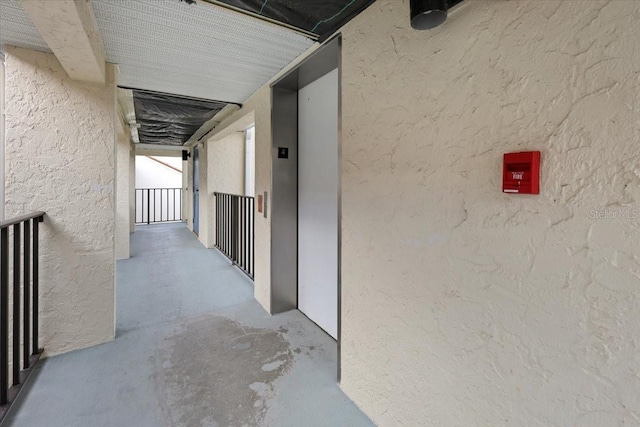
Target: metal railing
<point>158,205</point>
<point>234,224</point>
<point>22,320</point>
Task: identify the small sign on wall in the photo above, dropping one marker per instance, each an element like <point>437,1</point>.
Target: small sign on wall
<point>260,203</point>
<point>283,153</point>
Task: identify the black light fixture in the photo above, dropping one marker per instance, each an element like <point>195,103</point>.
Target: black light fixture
<point>185,155</point>
<point>427,14</point>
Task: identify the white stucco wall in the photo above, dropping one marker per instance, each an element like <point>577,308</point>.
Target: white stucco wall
<point>123,211</point>
<point>60,149</point>
<point>464,306</point>
<point>205,200</point>
<point>132,191</point>
<point>226,163</point>
<point>257,109</point>
<point>225,172</point>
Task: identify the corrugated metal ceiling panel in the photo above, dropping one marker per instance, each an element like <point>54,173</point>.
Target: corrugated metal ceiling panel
<point>196,50</point>
<point>16,28</point>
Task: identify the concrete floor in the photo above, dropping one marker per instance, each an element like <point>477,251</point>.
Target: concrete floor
<point>193,348</point>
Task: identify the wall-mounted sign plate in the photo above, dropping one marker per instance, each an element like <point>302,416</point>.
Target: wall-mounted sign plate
<point>283,153</point>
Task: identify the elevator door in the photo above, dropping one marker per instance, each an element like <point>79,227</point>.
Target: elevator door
<point>196,191</point>
<point>318,202</point>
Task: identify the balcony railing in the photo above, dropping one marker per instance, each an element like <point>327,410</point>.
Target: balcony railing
<point>18,242</point>
<point>234,224</point>
<point>158,205</point>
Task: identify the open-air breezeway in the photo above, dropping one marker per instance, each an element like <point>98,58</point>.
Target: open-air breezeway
<point>192,348</point>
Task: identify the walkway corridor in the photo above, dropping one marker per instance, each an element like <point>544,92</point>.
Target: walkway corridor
<point>193,348</point>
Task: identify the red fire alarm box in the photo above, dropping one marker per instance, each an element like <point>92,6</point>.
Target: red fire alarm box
<point>521,173</point>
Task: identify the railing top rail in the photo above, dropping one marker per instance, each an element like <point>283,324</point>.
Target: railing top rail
<point>22,218</point>
<point>160,188</point>
<point>235,195</point>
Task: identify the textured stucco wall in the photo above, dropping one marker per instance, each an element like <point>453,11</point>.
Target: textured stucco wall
<point>205,200</point>
<point>463,306</point>
<point>225,174</point>
<point>257,109</point>
<point>60,149</point>
<point>123,214</point>
<point>227,164</point>
<point>132,190</point>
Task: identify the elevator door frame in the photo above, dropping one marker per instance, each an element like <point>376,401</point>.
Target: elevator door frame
<point>284,176</point>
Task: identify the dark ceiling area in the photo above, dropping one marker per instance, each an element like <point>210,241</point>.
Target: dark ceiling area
<point>320,17</point>
<point>170,120</point>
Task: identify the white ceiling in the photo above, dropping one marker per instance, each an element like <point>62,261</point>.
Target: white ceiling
<point>200,50</point>
<point>16,28</point>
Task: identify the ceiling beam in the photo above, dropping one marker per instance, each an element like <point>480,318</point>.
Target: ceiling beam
<point>152,149</point>
<point>69,29</point>
<point>210,124</point>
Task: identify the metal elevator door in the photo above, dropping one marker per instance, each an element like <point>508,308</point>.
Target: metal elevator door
<point>318,185</point>
<point>196,191</point>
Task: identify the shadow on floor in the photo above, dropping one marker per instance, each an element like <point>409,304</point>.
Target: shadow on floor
<point>192,348</point>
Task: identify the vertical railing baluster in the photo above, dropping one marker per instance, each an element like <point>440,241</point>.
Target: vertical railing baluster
<point>239,261</point>
<point>26,319</point>
<point>15,348</point>
<point>234,225</point>
<point>223,224</point>
<point>247,202</point>
<point>226,221</point>
<point>244,232</point>
<point>253,231</point>
<point>35,286</point>
<point>217,204</point>
<point>148,206</point>
<point>4,316</point>
<point>235,229</point>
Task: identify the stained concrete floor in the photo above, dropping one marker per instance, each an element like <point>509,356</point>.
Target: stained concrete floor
<point>192,348</point>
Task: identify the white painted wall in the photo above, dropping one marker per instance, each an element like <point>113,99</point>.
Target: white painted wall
<point>225,174</point>
<point>60,158</point>
<point>123,192</point>
<point>151,174</point>
<point>464,306</point>
<point>206,210</point>
<point>227,164</point>
<point>132,189</point>
<point>2,138</point>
